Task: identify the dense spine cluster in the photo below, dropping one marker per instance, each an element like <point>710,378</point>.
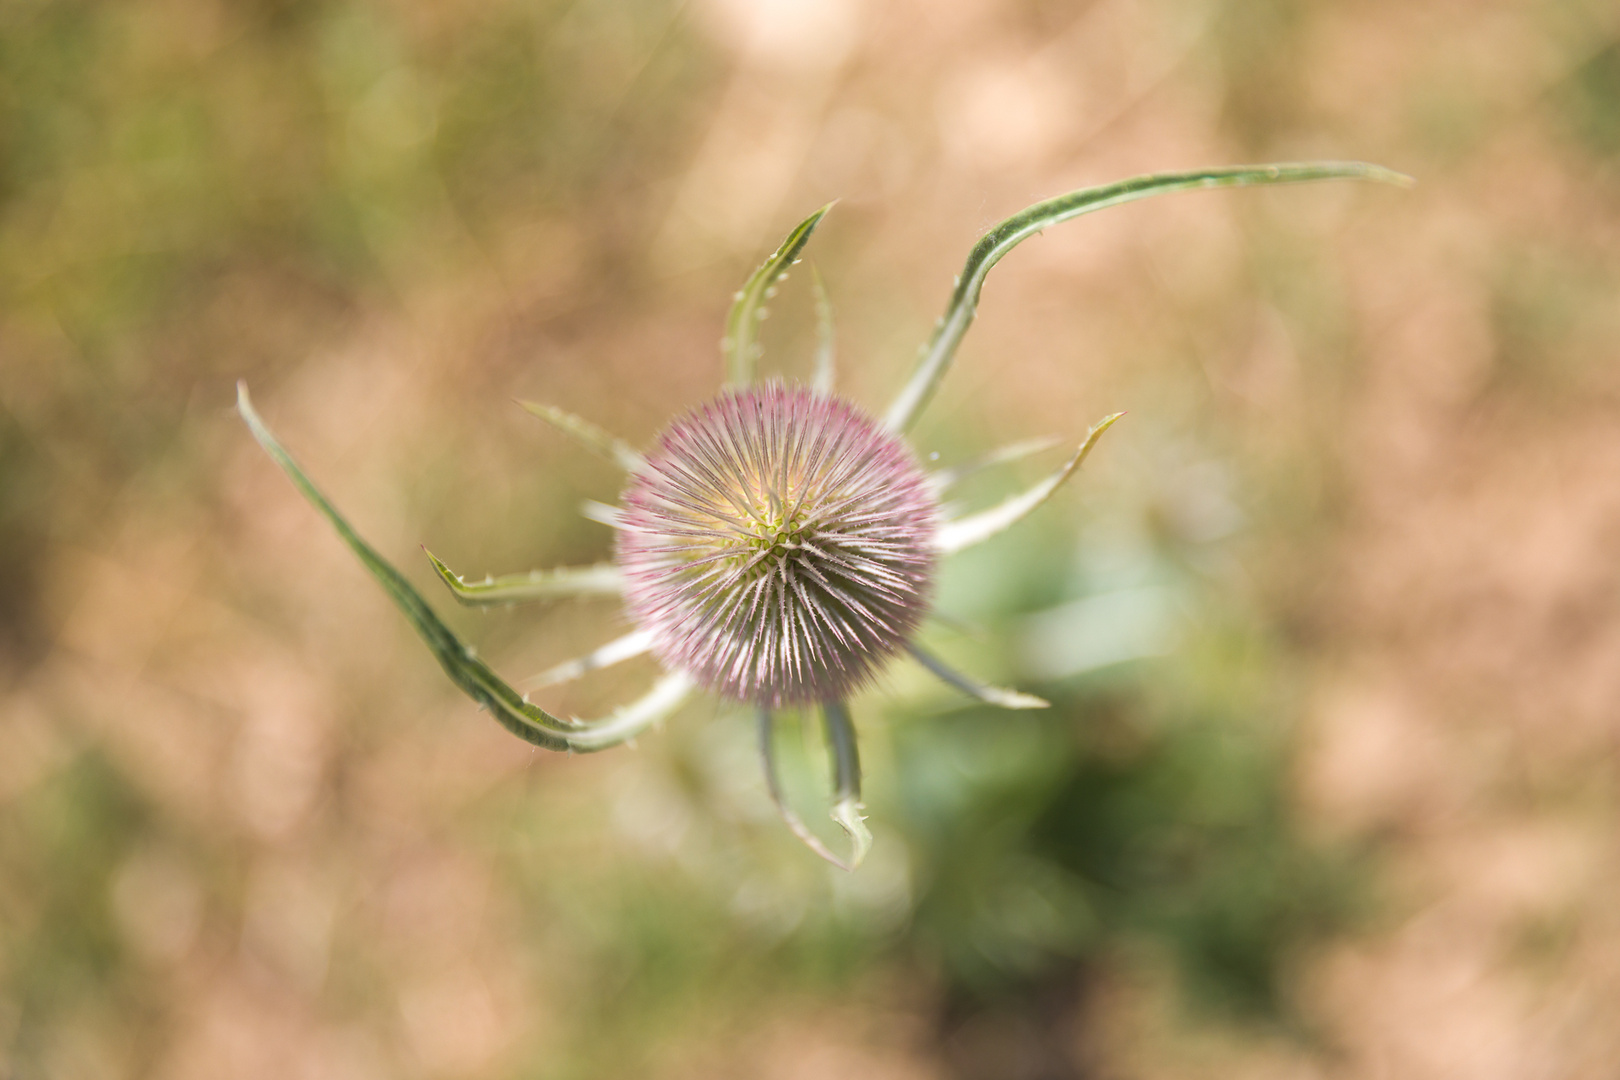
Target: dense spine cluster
<point>778,545</point>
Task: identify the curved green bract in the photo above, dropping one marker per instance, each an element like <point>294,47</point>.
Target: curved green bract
<point>953,536</point>
<point>999,696</point>
<point>773,787</point>
<point>587,435</point>
<point>941,348</point>
<point>846,808</point>
<point>739,346</point>
<point>635,643</point>
<point>846,783</point>
<point>475,678</point>
<point>654,707</point>
<point>603,579</point>
<point>951,475</point>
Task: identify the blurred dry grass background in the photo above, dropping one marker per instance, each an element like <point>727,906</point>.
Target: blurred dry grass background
<point>1332,620</point>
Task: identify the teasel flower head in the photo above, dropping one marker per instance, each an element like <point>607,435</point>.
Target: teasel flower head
<point>776,546</point>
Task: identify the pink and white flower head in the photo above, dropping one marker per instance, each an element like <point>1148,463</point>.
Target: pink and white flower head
<point>776,546</point>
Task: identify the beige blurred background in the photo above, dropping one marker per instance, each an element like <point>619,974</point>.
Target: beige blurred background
<point>1331,621</point>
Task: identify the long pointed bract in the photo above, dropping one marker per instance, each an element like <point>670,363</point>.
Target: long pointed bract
<point>631,645</point>
<point>738,347</point>
<point>976,528</point>
<point>667,695</point>
<point>773,785</point>
<point>846,808</point>
<point>602,579</point>
<point>470,674</point>
<point>951,475</point>
<point>941,348</point>
<point>991,695</point>
<point>588,435</point>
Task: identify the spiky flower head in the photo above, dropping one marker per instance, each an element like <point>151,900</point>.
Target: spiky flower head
<point>778,545</point>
